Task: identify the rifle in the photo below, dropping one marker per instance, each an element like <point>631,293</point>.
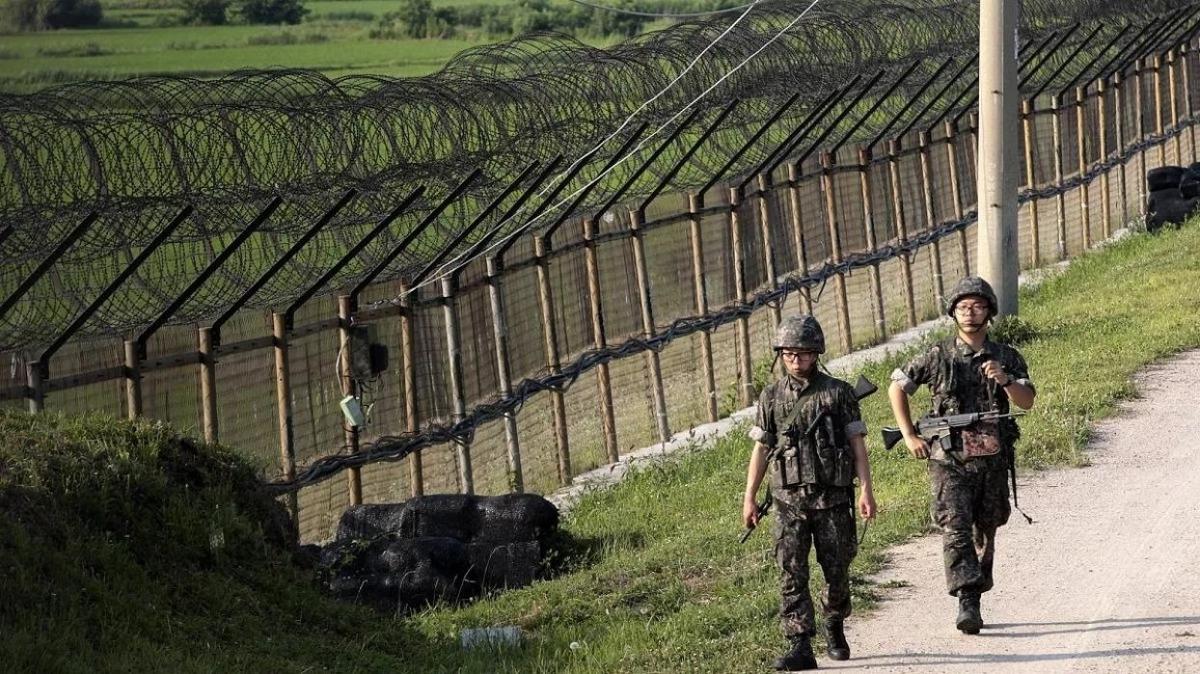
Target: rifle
<point>862,388</point>
<point>937,430</point>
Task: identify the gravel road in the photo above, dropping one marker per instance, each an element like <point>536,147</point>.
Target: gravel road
<point>1106,580</point>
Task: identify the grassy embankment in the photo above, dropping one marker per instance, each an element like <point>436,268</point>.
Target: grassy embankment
<point>111,562</point>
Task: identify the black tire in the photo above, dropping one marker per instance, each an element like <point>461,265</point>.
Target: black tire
<point>1163,209</point>
<point>1189,187</point>
<point>1164,177</point>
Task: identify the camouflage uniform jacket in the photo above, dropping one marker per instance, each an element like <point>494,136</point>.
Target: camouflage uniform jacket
<point>953,373</point>
<point>818,392</point>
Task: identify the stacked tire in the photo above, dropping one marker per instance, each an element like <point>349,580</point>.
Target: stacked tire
<point>1174,195</point>
<point>442,547</point>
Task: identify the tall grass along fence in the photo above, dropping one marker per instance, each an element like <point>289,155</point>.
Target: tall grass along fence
<point>663,306</point>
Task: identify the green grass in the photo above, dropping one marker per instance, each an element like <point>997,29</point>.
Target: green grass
<point>137,43</point>
<point>656,581</point>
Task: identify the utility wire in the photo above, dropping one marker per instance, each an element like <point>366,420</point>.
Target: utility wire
<point>458,261</point>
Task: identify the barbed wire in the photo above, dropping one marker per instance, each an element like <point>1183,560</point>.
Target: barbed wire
<point>397,447</point>
<point>139,150</point>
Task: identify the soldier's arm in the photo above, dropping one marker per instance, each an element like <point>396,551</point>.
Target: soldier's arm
<point>763,434</point>
<point>898,398</point>
<point>754,477</point>
<point>1019,388</point>
<point>905,382</point>
<point>862,468</point>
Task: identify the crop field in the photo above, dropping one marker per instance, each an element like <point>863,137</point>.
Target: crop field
<point>141,38</point>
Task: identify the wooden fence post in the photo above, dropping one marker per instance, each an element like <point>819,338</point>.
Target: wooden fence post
<point>36,383</point>
<point>1085,211</point>
<point>764,224</point>
<point>648,330</point>
<point>910,302</point>
<point>1119,116</point>
<point>1105,181</point>
<point>1140,121</point>
<point>1060,204</point>
<point>1173,93</point>
<point>1185,79</point>
<point>798,233</point>
<point>964,250</point>
<point>412,411</point>
<point>349,431</point>
<point>745,369</point>
<point>701,296</point>
<point>208,386</point>
<point>600,341</point>
<point>1030,136</point>
<point>939,288</point>
<point>462,451</point>
<point>516,476</point>
<point>283,405</point>
<point>550,344</point>
<point>1158,109</point>
<point>864,184</point>
<point>133,379</point>
<point>835,250</point>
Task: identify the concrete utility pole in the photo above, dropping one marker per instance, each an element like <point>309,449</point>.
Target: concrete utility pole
<point>997,158</point>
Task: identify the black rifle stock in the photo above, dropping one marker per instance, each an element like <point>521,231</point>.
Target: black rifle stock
<point>862,388</point>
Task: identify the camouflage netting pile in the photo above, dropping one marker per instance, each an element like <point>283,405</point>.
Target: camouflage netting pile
<point>444,547</point>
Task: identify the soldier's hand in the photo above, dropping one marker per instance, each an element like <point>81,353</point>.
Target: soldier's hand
<point>917,446</point>
<point>866,505</point>
<point>749,513</point>
<point>995,371</point>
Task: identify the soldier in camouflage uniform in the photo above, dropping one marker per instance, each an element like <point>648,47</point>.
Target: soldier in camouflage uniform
<point>967,373</point>
<point>812,484</point>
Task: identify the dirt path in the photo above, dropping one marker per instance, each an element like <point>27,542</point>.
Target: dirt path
<point>1106,580</point>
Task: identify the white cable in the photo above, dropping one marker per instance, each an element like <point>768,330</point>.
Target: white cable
<point>625,123</point>
<point>456,259</point>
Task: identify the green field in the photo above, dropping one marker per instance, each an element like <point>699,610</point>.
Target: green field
<point>139,38</point>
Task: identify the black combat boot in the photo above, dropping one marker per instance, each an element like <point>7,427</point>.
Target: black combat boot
<point>799,658</point>
<point>835,640</point>
<point>969,621</point>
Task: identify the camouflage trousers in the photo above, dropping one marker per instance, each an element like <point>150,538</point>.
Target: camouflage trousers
<point>831,531</point>
<point>969,506</point>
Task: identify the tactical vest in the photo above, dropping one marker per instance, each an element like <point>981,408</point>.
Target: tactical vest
<point>821,457</point>
<point>963,390</point>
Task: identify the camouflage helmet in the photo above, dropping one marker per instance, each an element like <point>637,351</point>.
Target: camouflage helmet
<point>971,285</point>
<point>800,332</point>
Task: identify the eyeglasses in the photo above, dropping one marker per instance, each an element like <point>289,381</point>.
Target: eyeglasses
<point>797,355</point>
<point>971,308</point>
